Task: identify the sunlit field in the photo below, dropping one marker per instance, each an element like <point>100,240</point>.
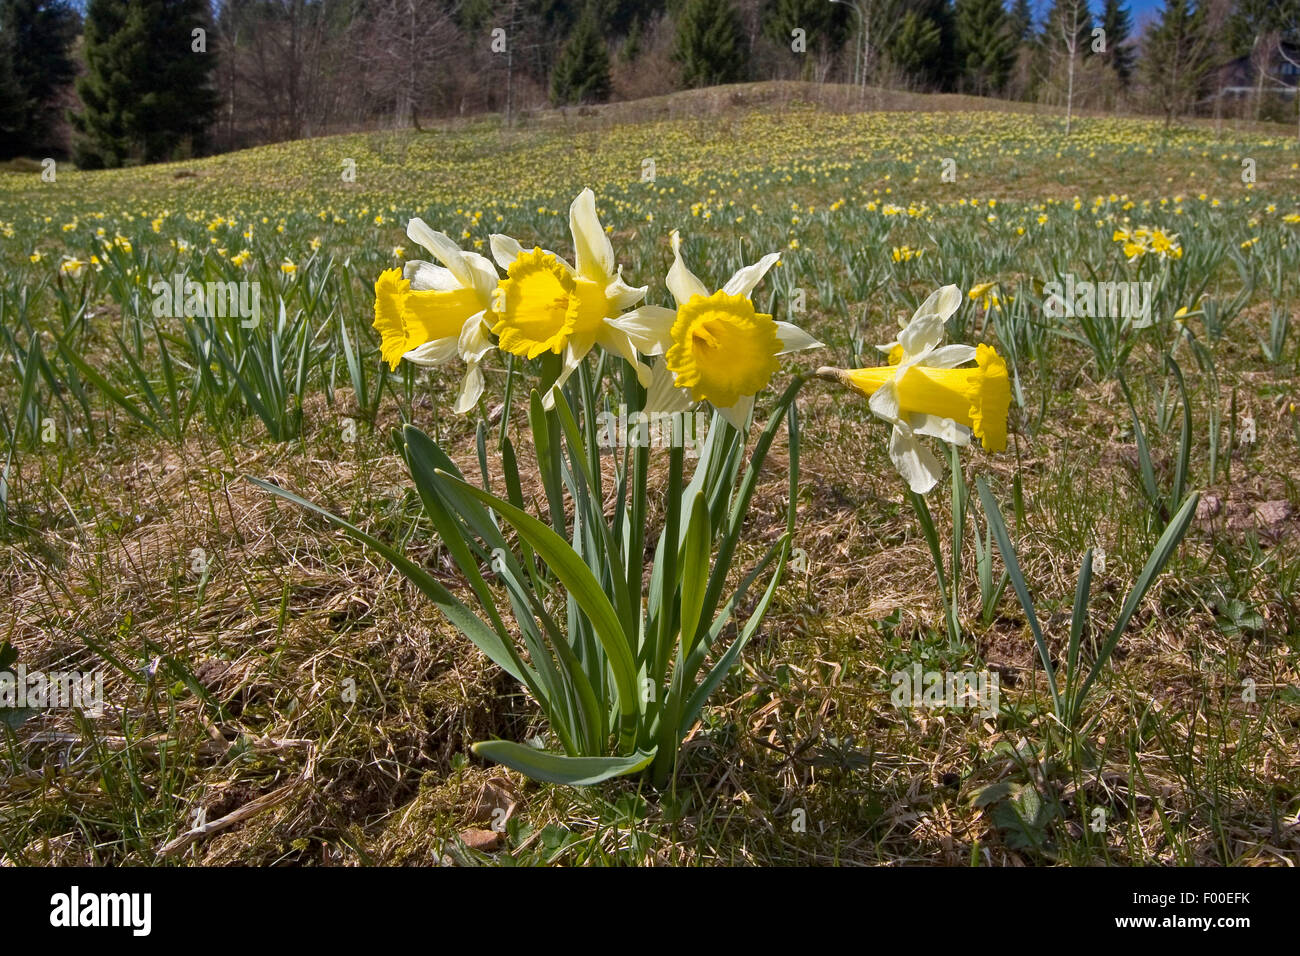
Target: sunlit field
<point>276,692</point>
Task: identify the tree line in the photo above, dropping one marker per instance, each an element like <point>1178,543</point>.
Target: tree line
<point>146,80</point>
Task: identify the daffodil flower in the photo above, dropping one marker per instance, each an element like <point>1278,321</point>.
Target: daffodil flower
<point>924,393</point>
<point>547,305</point>
<point>429,314</point>
<point>716,345</point>
<point>984,293</point>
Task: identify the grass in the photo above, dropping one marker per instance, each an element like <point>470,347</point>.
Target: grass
<point>256,660</point>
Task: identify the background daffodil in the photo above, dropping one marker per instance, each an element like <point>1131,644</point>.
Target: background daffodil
<point>547,305</point>
<point>985,293</point>
<point>429,314</point>
<point>717,345</point>
<point>924,393</point>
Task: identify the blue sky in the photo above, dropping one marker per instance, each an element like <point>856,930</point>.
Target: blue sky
<point>1140,10</point>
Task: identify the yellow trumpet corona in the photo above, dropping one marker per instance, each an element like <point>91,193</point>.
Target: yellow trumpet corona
<point>541,304</point>
<point>977,398</point>
<point>723,349</point>
<point>407,318</point>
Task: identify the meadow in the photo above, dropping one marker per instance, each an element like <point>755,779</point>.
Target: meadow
<point>266,672</point>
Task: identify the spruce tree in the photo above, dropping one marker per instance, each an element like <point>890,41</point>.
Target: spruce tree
<point>1177,56</point>
<point>12,102</point>
<point>823,25</point>
<point>1253,19</point>
<point>1022,21</point>
<point>1118,24</point>
<point>923,44</point>
<point>632,44</point>
<point>36,38</point>
<point>946,70</point>
<point>985,45</point>
<point>148,82</point>
<point>710,43</point>
<point>915,47</point>
<point>115,52</point>
<point>582,75</point>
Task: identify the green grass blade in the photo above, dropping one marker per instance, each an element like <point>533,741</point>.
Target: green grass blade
<point>1078,622</point>
<point>1164,549</point>
<point>993,515</point>
<point>1184,438</point>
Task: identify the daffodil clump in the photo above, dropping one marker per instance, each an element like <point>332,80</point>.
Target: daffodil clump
<point>1148,240</point>
<point>713,347</point>
<point>622,674</point>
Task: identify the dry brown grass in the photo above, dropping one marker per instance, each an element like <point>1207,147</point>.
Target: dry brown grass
<point>291,611</point>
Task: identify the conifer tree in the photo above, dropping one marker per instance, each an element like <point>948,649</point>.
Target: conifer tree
<point>148,86</point>
<point>1022,21</point>
<point>1066,17</point>
<point>915,48</point>
<point>11,103</point>
<point>985,44</point>
<point>36,38</point>
<point>632,44</point>
<point>1118,24</point>
<point>582,74</point>
<point>1177,56</point>
<point>822,23</point>
<point>710,44</point>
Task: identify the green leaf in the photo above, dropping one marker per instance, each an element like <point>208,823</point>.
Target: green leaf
<point>1079,619</point>
<point>423,459</point>
<point>1024,819</point>
<point>993,515</point>
<point>695,571</point>
<point>568,567</point>
<point>729,658</point>
<point>1185,436</point>
<point>12,717</point>
<point>112,391</point>
<point>1144,454</point>
<point>546,445</point>
<point>991,794</point>
<point>740,503</point>
<point>1164,549</point>
<point>557,768</point>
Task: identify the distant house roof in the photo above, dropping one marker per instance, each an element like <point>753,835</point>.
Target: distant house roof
<point>1239,77</point>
